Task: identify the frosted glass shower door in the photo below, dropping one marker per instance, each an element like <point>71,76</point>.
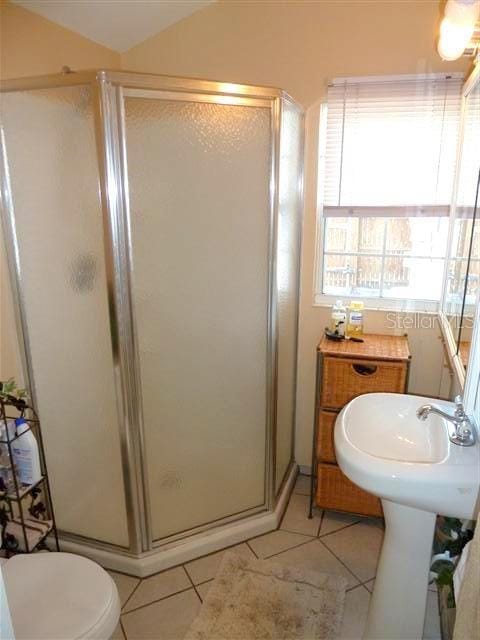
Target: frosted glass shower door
<point>57,220</point>
<point>200,222</point>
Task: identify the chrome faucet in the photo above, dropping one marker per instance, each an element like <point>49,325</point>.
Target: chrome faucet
<point>460,428</point>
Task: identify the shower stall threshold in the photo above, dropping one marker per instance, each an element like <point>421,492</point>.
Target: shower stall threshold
<point>197,545</point>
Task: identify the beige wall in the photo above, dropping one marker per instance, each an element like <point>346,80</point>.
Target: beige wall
<point>299,46</point>
<point>32,45</point>
<point>296,45</point>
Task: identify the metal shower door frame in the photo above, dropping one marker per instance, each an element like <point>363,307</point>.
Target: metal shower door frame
<point>111,253</point>
<point>108,88</point>
<point>166,88</point>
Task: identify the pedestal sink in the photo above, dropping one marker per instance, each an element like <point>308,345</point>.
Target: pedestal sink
<point>410,464</point>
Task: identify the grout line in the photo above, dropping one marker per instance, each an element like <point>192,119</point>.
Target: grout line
<point>129,597</point>
<point>193,585</point>
<point>180,564</point>
<point>365,582</point>
<point>121,627</point>
<point>156,573</point>
<point>299,533</point>
<point>199,585</point>
<point>204,582</point>
<point>341,528</point>
<point>352,588</point>
<point>341,562</point>
<point>122,573</point>
<point>207,555</point>
<point>147,604</point>
<point>357,586</point>
<point>302,475</point>
<point>184,567</point>
<point>247,542</point>
<point>301,544</point>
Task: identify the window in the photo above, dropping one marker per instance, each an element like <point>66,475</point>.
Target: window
<point>387,170</point>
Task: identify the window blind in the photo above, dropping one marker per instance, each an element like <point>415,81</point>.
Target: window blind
<point>391,145</point>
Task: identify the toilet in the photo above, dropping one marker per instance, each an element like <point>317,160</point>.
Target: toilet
<point>60,596</point>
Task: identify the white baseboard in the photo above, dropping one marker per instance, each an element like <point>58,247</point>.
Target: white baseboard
<point>191,548</point>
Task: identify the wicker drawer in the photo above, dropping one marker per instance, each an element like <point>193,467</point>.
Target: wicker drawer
<point>335,491</point>
<point>325,447</point>
<point>346,378</point>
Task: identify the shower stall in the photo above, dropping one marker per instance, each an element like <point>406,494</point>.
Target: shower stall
<point>153,229</point>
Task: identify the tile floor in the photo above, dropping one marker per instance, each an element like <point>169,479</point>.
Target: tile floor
<point>163,606</point>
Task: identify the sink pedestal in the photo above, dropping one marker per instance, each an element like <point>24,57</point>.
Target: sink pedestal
<point>397,607</point>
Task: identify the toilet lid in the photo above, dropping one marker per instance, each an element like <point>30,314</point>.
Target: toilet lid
<point>57,595</point>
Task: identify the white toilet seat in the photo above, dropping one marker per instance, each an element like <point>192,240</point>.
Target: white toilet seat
<point>60,596</point>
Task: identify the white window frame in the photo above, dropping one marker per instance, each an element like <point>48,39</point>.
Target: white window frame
<point>320,299</point>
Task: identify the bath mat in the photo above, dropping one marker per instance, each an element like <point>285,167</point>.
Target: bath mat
<point>263,600</point>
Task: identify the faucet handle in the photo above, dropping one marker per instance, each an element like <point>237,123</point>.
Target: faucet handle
<point>459,410</point>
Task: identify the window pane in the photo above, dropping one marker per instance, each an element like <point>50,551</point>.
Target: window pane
<point>462,231</point>
<point>472,285</point>
<point>417,236</point>
<point>456,274</point>
<point>414,278</point>
<point>389,150</point>
<point>371,235</point>
<point>352,275</point>
<point>354,235</point>
<point>341,234</point>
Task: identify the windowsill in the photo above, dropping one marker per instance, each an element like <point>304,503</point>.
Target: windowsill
<point>427,307</point>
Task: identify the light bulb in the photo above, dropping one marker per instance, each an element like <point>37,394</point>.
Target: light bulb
<point>457,27</point>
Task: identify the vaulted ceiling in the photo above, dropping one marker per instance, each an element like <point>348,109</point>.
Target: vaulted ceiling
<point>116,24</point>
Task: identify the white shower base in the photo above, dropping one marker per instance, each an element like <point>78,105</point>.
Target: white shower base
<point>190,548</point>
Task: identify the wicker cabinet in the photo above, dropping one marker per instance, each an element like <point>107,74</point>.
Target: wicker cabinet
<point>345,370</point>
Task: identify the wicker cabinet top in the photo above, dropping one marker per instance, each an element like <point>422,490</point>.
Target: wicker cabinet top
<point>374,347</point>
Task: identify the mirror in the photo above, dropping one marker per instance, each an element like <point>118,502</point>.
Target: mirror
<point>463,268</point>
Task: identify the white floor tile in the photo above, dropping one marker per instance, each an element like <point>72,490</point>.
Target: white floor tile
<point>334,520</point>
<point>125,585</point>
<point>358,547</point>
<point>355,613</point>
<point>202,589</point>
<point>275,542</point>
<point>314,556</point>
<point>160,586</point>
<point>296,517</point>
<point>431,629</point>
<point>302,485</point>
<point>118,633</point>
<point>206,568</point>
<point>370,584</point>
<point>168,619</point>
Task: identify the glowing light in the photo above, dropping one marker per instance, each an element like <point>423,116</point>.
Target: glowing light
<point>457,27</point>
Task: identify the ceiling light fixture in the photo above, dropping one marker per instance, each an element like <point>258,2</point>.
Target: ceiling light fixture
<point>457,28</point>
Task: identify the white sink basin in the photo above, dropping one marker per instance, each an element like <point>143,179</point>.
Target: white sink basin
<point>384,448</point>
<point>418,473</point>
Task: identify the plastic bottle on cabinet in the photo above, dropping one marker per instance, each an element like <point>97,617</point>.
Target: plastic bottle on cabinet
<point>338,319</point>
<point>355,319</point>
